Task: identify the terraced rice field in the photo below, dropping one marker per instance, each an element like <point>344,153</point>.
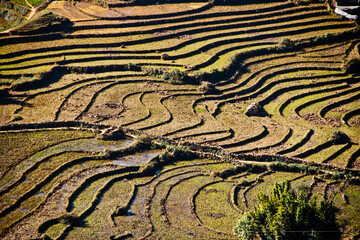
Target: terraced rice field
<point>112,66</point>
<point>73,185</point>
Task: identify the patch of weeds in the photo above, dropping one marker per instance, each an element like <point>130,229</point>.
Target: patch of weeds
<point>132,67</point>
<point>112,133</point>
<point>174,76</point>
<point>162,143</point>
<point>338,175</point>
<point>144,139</point>
<point>173,153</point>
<point>285,43</point>
<point>352,66</point>
<point>207,87</point>
<point>339,137</point>
<point>292,167</point>
<point>199,109</point>
<point>69,219</point>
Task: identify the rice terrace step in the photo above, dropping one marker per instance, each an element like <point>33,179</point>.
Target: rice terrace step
<point>172,119</point>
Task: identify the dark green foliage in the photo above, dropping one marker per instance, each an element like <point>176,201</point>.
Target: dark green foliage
<point>175,76</point>
<point>286,215</point>
<point>292,167</point>
<point>338,174</point>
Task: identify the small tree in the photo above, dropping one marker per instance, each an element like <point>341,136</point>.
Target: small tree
<point>285,215</point>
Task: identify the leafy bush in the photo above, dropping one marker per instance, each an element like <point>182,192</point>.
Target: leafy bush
<point>206,87</point>
<point>144,139</point>
<point>286,215</point>
<point>175,76</point>
<point>338,174</point>
<point>288,167</point>
<point>285,43</point>
<point>173,152</point>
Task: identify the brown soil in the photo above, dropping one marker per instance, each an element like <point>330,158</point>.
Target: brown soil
<point>314,118</point>
<point>96,10</point>
<point>157,9</point>
<point>355,122</point>
<point>67,10</point>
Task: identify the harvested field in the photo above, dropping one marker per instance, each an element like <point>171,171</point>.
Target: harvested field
<point>186,74</point>
<point>83,187</point>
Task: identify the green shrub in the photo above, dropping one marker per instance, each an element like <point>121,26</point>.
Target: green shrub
<point>288,167</point>
<point>175,76</point>
<point>173,152</point>
<point>285,43</point>
<point>286,215</point>
<point>206,87</point>
<point>132,67</point>
<point>144,139</point>
<point>338,174</point>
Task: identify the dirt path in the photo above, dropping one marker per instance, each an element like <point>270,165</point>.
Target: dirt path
<point>33,10</point>
<point>32,13</point>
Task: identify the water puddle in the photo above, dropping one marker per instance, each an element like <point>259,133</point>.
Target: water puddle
<point>61,202</point>
<point>129,213</point>
<point>41,194</point>
<point>136,159</point>
<point>86,145</point>
<point>25,210</point>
